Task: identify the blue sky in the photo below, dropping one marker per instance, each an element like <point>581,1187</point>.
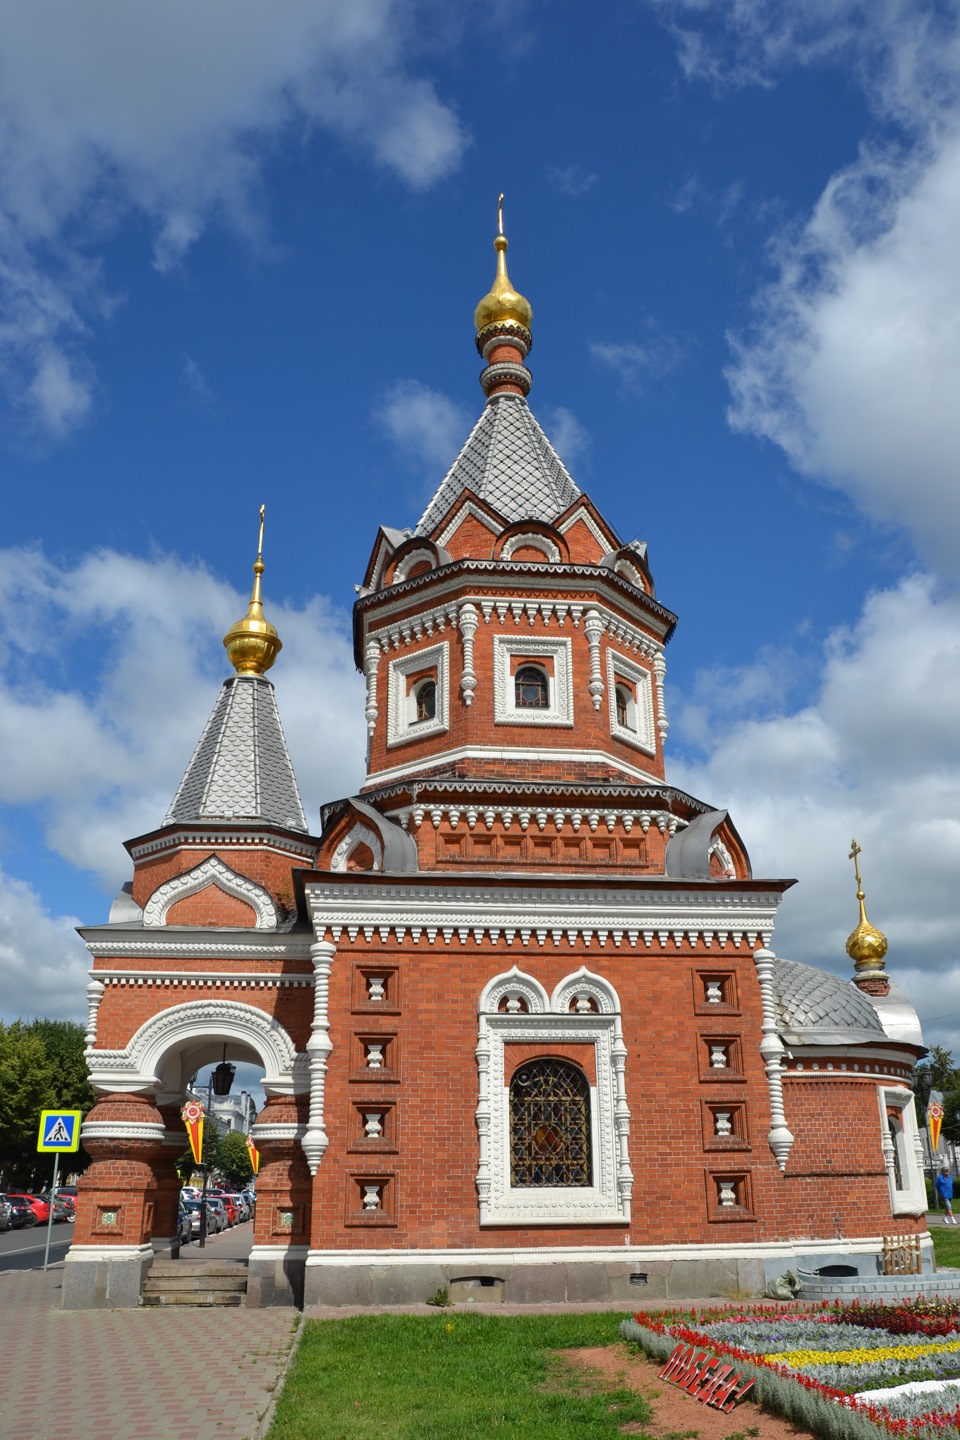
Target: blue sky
<point>240,248</point>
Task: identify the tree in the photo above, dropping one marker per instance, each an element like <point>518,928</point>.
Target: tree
<point>936,1072</point>
<point>42,1067</point>
<point>234,1160</point>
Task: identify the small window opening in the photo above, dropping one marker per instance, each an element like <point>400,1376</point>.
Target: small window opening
<point>532,688</point>
<point>623,705</point>
<point>426,701</point>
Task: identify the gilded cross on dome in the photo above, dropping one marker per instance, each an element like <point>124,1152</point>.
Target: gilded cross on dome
<point>866,945</point>
<point>252,643</point>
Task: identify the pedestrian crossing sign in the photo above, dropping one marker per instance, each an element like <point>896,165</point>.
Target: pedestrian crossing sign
<point>59,1130</point>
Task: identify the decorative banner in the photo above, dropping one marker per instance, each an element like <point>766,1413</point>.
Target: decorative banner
<point>934,1121</point>
<point>254,1154</point>
<point>192,1115</point>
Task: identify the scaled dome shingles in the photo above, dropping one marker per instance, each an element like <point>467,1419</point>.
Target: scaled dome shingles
<point>241,768</point>
<point>509,463</point>
<point>816,1007</point>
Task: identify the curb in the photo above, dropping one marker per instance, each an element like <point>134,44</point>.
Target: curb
<point>281,1380</point>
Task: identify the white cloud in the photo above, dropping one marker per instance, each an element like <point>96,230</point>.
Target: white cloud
<point>427,426</point>
<point>91,657</point>
<point>42,959</point>
<point>110,109</point>
<point>635,364</point>
<point>567,436</point>
<point>573,180</point>
<point>874,753</point>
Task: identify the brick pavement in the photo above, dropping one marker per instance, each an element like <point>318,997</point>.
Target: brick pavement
<point>177,1374</point>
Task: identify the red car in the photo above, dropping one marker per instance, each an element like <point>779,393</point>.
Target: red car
<point>39,1207</point>
<point>228,1204</point>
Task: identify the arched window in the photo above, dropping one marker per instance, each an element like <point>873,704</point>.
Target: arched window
<point>550,1125</point>
<point>532,688</point>
<point>425,697</point>
<point>623,706</point>
<point>896,1136</point>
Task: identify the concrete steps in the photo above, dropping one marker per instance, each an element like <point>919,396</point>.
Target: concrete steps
<point>194,1282</point>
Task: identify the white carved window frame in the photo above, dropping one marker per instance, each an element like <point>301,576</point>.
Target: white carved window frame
<point>642,734</point>
<point>516,648</point>
<point>912,1198</point>
<point>211,871</point>
<point>548,548</point>
<point>359,835</point>
<point>402,723</point>
<point>547,1024</point>
<point>415,557</point>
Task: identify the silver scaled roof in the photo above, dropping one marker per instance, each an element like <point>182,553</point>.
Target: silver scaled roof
<point>816,1008</point>
<point>509,463</point>
<point>241,769</point>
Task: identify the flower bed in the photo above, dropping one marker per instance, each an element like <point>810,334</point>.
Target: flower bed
<point>818,1367</point>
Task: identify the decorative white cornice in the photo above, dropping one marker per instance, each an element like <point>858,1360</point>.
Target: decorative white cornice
<point>233,839</point>
<point>540,817</point>
<point>555,754</point>
<point>428,913</point>
<point>201,980</point>
<point>211,871</point>
<point>278,1132</point>
<point>197,947</point>
<point>113,1130</point>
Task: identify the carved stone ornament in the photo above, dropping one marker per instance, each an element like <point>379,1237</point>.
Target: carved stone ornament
<point>211,871</point>
<point>359,835</point>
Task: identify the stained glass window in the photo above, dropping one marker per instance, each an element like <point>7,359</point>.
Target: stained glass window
<point>532,691</point>
<point>550,1125</point>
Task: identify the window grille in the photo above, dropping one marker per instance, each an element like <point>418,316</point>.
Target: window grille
<point>549,1125</point>
<point>532,689</point>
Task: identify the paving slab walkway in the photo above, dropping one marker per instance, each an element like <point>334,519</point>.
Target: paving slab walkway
<point>178,1374</point>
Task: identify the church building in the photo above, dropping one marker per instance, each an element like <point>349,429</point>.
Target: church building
<point>522,1032</point>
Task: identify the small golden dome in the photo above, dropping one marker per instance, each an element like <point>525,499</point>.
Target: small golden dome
<point>252,643</point>
<point>503,306</point>
<point>866,945</point>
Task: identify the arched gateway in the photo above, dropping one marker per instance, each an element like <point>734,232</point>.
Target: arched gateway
<point>520,984</point>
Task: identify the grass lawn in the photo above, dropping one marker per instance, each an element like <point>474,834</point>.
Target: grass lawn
<point>946,1244</point>
<point>450,1376</point>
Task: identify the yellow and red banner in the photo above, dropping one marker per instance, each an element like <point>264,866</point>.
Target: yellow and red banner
<point>192,1115</point>
<point>254,1154</point>
<point>934,1121</point>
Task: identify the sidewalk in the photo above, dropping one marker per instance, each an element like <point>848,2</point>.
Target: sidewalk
<point>178,1374</point>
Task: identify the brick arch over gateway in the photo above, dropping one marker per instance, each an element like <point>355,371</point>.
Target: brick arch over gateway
<point>174,1043</point>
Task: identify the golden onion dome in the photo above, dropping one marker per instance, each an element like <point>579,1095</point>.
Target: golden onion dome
<point>502,306</point>
<point>252,643</point>
<point>866,945</point>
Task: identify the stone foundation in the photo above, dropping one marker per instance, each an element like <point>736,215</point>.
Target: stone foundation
<point>105,1277</point>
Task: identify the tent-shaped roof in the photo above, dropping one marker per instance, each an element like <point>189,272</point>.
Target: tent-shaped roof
<point>509,463</point>
<point>241,769</point>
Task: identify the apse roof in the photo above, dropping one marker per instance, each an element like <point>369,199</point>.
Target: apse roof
<point>241,769</point>
<point>508,462</point>
<point>816,1008</point>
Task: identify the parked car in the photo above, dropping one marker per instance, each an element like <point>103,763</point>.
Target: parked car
<point>39,1207</point>
<point>240,1205</point>
<point>62,1207</point>
<point>185,1224</point>
<point>251,1198</point>
<point>22,1214</point>
<point>216,1218</point>
<point>218,1209</point>
<point>229,1205</point>
<point>6,1213</point>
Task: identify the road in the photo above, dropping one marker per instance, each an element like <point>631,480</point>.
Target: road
<point>23,1249</point>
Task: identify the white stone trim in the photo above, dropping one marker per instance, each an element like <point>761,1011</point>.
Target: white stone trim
<point>359,835</point>
<point>202,980</point>
<point>468,508</point>
<point>371,663</point>
<point>559,816</point>
<point>514,982</point>
<point>277,1132</point>
<point>548,548</point>
<point>138,1067</point>
<point>94,998</point>
<point>118,1130</point>
<point>161,945</point>
<point>583,514</point>
<point>516,752</point>
<point>608,1198</point>
<point>413,557</point>
<point>773,1050</point>
<point>211,871</point>
<point>279,1252</point>
<point>912,1199</point>
<point>401,728</point>
<point>468,621</point>
<point>510,648</point>
<point>639,680</point>
<point>97,1254</point>
<point>319,1047</point>
<point>185,838</point>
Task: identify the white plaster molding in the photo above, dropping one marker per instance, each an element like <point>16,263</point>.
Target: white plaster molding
<point>911,1197</point>
<point>402,725</point>
<point>198,946</point>
<point>94,997</point>
<point>464,512</point>
<point>278,1131</point>
<point>201,980</point>
<point>718,848</point>
<point>508,649</point>
<point>641,733</point>
<point>582,515</point>
<point>413,557</point>
<point>116,1130</point>
<point>659,675</point>
<point>630,572</point>
<point>359,835</point>
<point>583,981</point>
<point>772,1050</point>
<point>514,982</point>
<point>319,1047</point>
<point>468,621</point>
<point>184,838</point>
<point>280,1252</point>
<point>607,1198</point>
<point>138,1066</point>
<point>371,663</point>
<point>548,548</point>
<point>211,871</point>
<point>520,752</point>
<point>80,1254</point>
<point>593,628</point>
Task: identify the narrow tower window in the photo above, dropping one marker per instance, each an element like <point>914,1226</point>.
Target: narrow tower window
<point>426,701</point>
<point>549,1125</point>
<point>623,706</point>
<point>532,688</point>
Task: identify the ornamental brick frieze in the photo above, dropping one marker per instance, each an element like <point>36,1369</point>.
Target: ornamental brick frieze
<point>539,817</point>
